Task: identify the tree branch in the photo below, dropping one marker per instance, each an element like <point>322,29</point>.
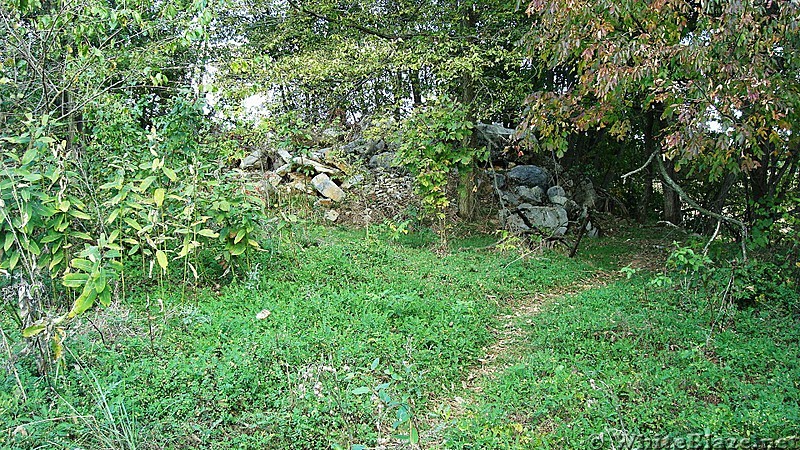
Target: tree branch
<point>644,166</point>
<point>691,202</point>
<point>348,24</point>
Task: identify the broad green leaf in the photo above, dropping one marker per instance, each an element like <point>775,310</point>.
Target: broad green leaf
<point>29,156</point>
<point>82,264</point>
<point>361,390</point>
<point>9,241</point>
<point>33,330</point>
<point>75,280</point>
<point>208,233</point>
<point>105,297</point>
<point>112,217</point>
<point>135,225</point>
<point>12,261</point>
<point>83,302</point>
<point>79,214</point>
<point>100,284</point>
<point>57,258</point>
<point>238,249</point>
<point>162,259</point>
<point>158,196</point>
<point>170,173</point>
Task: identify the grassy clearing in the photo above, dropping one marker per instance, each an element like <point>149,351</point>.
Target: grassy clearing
<point>627,361</point>
<point>367,339</point>
<point>347,313</point>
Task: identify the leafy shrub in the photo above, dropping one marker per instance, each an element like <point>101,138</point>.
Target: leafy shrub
<point>434,142</point>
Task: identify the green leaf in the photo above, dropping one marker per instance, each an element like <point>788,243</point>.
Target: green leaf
<point>100,283</point>
<point>113,216</point>
<point>9,241</point>
<point>12,261</point>
<point>51,238</point>
<point>135,225</point>
<point>82,264</point>
<point>208,233</point>
<point>361,390</point>
<point>105,297</point>
<point>238,249</point>
<point>57,258</point>
<point>80,235</point>
<point>33,330</point>
<point>158,196</point>
<point>413,437</point>
<point>74,280</point>
<point>79,214</point>
<point>84,302</point>
<point>162,259</point>
<point>29,156</point>
<point>169,173</point>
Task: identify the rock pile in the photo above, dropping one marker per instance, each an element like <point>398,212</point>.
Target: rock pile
<point>531,200</point>
<point>383,191</point>
<point>529,195</point>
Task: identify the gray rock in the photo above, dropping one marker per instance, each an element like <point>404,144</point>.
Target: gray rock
<point>499,181</point>
<point>559,200</point>
<point>355,180</point>
<point>494,136</point>
<point>511,221</point>
<point>323,184</point>
<point>549,217</point>
<point>530,195</point>
<point>331,215</point>
<point>251,159</point>
<point>283,170</point>
<point>585,194</point>
<point>556,191</point>
<point>529,176</point>
<point>510,198</point>
<point>573,209</point>
<point>383,160</point>
<point>592,231</point>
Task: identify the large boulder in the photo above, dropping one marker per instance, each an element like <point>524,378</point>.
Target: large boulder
<point>325,186</point>
<point>533,195</point>
<point>529,176</point>
<point>553,218</point>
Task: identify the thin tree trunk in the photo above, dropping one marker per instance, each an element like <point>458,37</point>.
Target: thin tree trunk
<point>672,201</point>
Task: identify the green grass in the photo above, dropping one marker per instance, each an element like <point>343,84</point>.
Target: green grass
<point>347,312</point>
<point>363,331</point>
<point>632,360</point>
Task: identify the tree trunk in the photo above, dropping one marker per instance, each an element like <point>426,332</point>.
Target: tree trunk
<point>466,182</point>
<point>643,210</point>
<point>466,195</point>
<point>416,87</point>
<point>672,201</point>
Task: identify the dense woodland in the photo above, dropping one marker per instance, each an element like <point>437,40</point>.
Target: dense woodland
<point>124,127</point>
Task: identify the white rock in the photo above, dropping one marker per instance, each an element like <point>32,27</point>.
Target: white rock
<point>331,215</point>
<point>327,187</point>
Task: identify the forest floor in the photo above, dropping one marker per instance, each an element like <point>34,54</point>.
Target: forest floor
<point>369,339</point>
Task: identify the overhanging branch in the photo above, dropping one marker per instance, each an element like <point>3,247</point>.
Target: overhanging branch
<point>691,202</point>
